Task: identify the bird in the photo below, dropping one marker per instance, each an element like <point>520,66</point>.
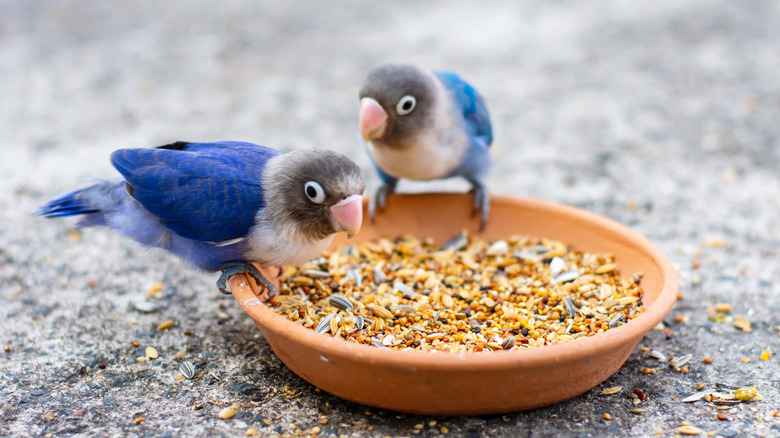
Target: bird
<point>223,206</point>
<point>419,124</point>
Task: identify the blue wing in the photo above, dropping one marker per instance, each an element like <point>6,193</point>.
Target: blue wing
<point>471,102</point>
<point>202,191</point>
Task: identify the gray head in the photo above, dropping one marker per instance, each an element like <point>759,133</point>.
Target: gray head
<point>396,103</point>
<point>313,193</point>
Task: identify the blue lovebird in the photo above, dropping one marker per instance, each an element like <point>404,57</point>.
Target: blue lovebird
<point>222,206</point>
<point>424,125</point>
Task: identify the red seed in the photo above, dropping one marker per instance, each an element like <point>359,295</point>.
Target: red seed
<point>640,394</point>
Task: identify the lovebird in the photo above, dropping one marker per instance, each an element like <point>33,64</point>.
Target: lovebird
<point>226,205</point>
<point>425,125</point>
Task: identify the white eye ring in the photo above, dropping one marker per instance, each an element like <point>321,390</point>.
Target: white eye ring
<point>315,192</point>
<point>406,105</point>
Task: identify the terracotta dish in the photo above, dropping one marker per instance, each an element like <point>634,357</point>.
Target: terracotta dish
<point>478,383</point>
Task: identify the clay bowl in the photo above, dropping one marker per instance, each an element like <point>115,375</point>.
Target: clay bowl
<point>459,384</point>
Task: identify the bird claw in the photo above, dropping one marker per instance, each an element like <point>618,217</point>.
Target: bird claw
<point>481,202</point>
<point>379,200</point>
<point>230,269</point>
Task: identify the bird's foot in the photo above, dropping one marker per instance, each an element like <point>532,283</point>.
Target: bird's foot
<point>481,202</point>
<point>232,268</point>
<point>379,200</point>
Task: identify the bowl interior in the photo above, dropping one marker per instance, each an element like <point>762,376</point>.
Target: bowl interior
<point>385,378</point>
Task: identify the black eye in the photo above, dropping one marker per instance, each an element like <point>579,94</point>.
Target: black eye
<point>315,192</point>
<point>405,105</point>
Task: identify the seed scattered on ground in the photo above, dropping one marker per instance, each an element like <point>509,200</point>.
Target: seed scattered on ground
<point>766,354</point>
<point>49,416</point>
<point>466,296</point>
<point>607,416</point>
<point>745,359</point>
<point>151,353</point>
<point>640,394</point>
<point>250,432</point>
<point>139,419</point>
<point>226,413</point>
<point>637,411</point>
<point>745,394</point>
<point>612,390</point>
<point>689,430</point>
<point>187,370</point>
<point>165,325</point>
<point>743,324</point>
<point>706,360</point>
<point>154,290</point>
<point>145,306</point>
<point>649,370</point>
<point>723,307</point>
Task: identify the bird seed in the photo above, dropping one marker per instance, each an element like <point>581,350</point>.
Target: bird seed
<point>468,295</point>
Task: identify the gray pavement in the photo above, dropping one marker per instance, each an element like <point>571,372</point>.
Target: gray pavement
<point>664,116</point>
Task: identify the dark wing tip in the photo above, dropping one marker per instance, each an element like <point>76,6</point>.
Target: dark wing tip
<point>176,146</point>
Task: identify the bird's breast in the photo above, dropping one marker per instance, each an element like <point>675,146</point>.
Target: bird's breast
<point>427,157</point>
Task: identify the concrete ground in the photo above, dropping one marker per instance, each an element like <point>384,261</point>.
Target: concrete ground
<point>661,115</point>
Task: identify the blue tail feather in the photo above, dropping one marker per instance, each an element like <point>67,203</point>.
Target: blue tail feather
<point>68,204</point>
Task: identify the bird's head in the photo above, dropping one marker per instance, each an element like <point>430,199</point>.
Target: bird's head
<point>314,193</point>
<point>396,103</point>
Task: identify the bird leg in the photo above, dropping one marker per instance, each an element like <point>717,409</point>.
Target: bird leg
<point>380,198</point>
<point>232,268</point>
<point>481,202</point>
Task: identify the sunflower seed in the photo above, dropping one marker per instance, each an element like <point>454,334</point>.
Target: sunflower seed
<point>355,275</point>
<point>679,362</point>
<point>660,357</point>
<point>570,309</point>
<point>566,277</point>
<point>403,288</point>
<point>379,275</point>
<point>456,243</point>
<point>313,273</point>
<point>498,248</point>
<point>556,266</point>
<point>379,344</point>
<point>187,369</point>
<point>508,342</point>
<point>617,319</point>
<point>696,396</point>
<point>359,322</point>
<point>324,325</point>
<point>340,302</point>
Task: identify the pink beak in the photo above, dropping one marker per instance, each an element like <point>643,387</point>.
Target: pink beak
<point>348,214</point>
<point>372,119</point>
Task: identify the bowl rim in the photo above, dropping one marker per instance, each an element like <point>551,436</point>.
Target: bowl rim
<point>614,338</point>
